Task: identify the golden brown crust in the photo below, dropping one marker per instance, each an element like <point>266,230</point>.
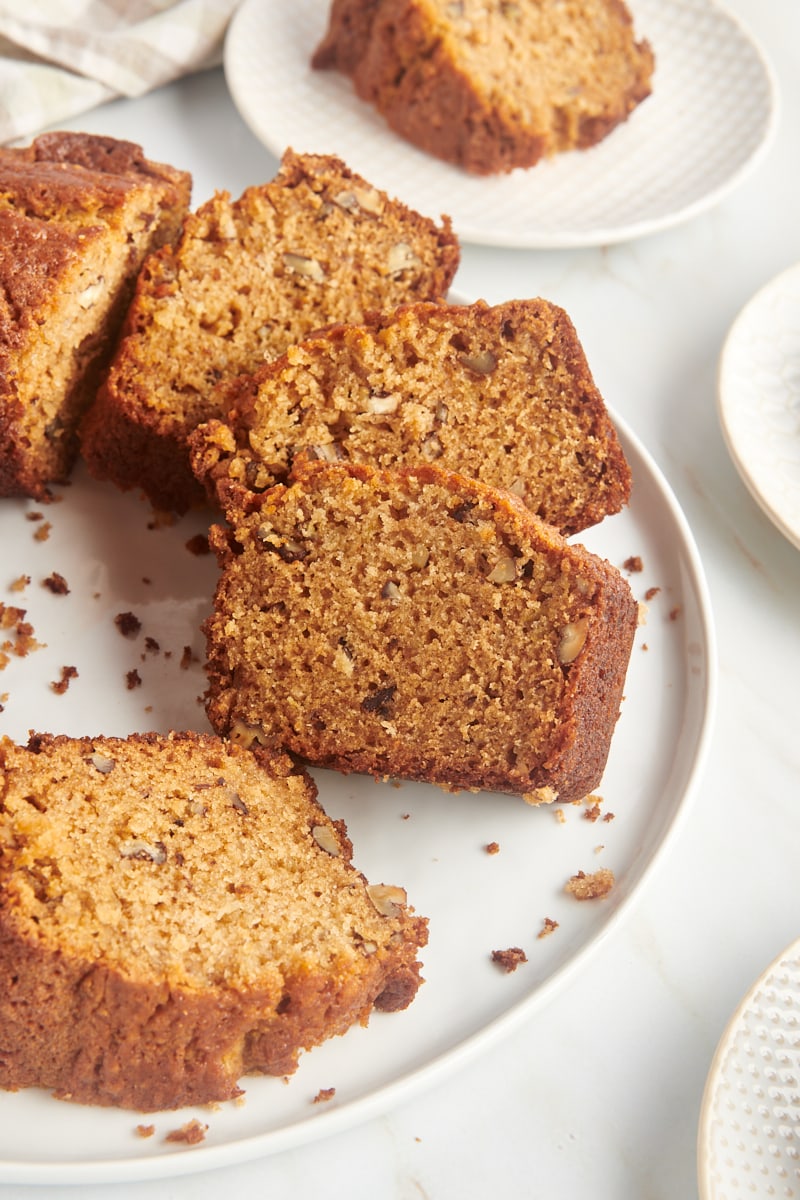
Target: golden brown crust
<point>176,912</point>
<point>317,244</point>
<point>78,214</point>
<point>503,394</point>
<point>414,623</point>
<point>495,86</point>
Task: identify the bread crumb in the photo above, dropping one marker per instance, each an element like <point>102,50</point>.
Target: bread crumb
<point>191,1133</point>
<point>675,612</point>
<point>56,584</point>
<point>508,960</point>
<point>590,887</point>
<point>198,544</point>
<point>548,926</point>
<point>151,645</point>
<point>651,593</point>
<point>43,532</point>
<point>187,658</point>
<point>633,564</point>
<point>133,680</point>
<point>145,1131</point>
<point>19,585</point>
<point>128,624</point>
<point>560,816</point>
<point>61,685</point>
<point>323,1095</point>
<point>33,516</point>
<point>493,848</point>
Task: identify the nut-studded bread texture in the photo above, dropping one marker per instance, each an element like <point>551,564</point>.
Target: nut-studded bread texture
<point>175,912</point>
<point>316,245</point>
<point>502,394</point>
<point>491,85</point>
<point>410,622</point>
<point>78,215</point>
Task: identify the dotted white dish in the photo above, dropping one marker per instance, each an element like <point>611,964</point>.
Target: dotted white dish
<point>708,122</point>
<point>749,1135</point>
<point>759,399</point>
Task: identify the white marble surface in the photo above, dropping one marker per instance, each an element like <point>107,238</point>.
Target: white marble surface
<point>599,1095</point>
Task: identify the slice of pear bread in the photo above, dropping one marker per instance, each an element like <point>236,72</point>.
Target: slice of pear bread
<point>318,244</point>
<point>177,911</point>
<point>78,215</point>
<point>410,622</point>
<point>503,394</point>
<point>491,85</point>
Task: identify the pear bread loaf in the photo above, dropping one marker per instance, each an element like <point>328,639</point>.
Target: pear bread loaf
<point>491,85</point>
<point>316,245</point>
<point>502,394</point>
<point>409,622</point>
<point>177,911</point>
<point>78,215</point>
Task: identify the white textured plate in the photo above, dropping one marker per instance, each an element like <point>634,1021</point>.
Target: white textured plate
<point>104,546</point>
<point>749,1134</point>
<point>709,120</point>
<point>759,399</point>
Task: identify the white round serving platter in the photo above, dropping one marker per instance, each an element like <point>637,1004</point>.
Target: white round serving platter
<point>115,558</point>
<point>749,1130</point>
<point>758,399</point>
<point>709,120</point>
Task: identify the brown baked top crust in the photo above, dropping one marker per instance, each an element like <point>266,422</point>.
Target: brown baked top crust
<point>487,84</point>
<point>78,214</point>
<point>318,244</point>
<point>176,911</point>
<point>503,394</point>
<point>414,623</point>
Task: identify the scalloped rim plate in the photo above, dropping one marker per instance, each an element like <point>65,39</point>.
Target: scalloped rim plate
<point>116,558</point>
<point>707,124</point>
<point>749,1130</point>
<point>758,399</point>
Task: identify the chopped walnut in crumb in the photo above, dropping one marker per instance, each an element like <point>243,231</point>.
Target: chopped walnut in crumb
<point>548,926</point>
<point>128,624</point>
<point>61,685</point>
<point>590,887</point>
<point>56,584</point>
<point>191,1133</point>
<point>493,848</point>
<point>508,960</point>
<point>633,564</point>
<point>323,1095</point>
<point>145,1131</point>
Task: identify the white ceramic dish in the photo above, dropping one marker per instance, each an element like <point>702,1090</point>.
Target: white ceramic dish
<point>113,560</point>
<point>759,399</point>
<point>749,1132</point>
<point>708,122</point>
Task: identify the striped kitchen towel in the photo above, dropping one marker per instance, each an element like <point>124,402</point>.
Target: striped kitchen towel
<point>59,58</point>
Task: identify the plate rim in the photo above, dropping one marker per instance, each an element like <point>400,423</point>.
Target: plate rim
<point>564,239</point>
<point>443,1065</point>
<point>705,1186</point>
<point>723,400</point>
